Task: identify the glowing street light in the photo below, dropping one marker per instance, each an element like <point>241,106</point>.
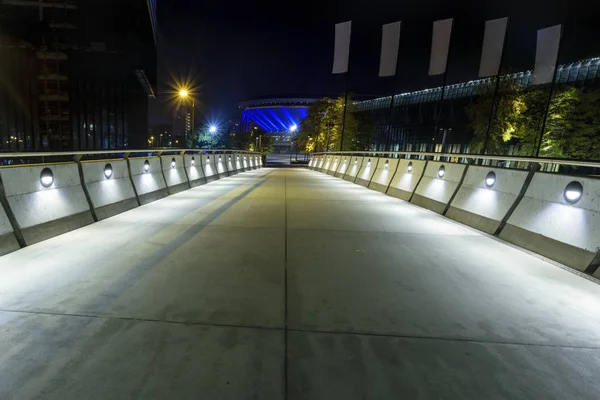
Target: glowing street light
<point>293,128</point>
<point>184,94</point>
<point>212,129</point>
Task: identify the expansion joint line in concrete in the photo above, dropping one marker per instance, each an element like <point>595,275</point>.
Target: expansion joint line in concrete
<point>85,190</point>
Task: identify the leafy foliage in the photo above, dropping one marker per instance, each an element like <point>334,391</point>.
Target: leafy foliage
<point>322,127</point>
<point>572,127</point>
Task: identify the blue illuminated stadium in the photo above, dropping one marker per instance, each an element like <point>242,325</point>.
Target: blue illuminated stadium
<point>276,115</point>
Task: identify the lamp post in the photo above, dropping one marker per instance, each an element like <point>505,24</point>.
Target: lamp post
<point>184,94</point>
<point>293,129</point>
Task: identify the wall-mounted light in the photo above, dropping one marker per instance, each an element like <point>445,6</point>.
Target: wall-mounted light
<point>387,163</point>
<point>219,158</point>
<point>573,192</point>
<point>208,159</point>
<point>193,161</point>
<point>490,179</point>
<point>410,167</point>
<point>108,171</point>
<point>47,177</point>
<point>355,161</point>
<point>146,166</point>
<point>369,163</point>
<point>442,171</point>
<point>173,163</point>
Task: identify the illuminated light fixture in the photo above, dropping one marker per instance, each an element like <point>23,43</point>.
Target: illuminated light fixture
<point>345,161</point>
<point>369,163</point>
<point>490,179</point>
<point>108,171</point>
<point>146,166</point>
<point>193,161</point>
<point>442,171</point>
<point>386,164</point>
<point>173,163</point>
<point>293,128</point>
<point>355,161</point>
<point>573,192</point>
<point>229,158</point>
<point>208,159</point>
<point>47,177</point>
<point>212,129</point>
<point>410,167</point>
<point>238,157</point>
<point>219,158</point>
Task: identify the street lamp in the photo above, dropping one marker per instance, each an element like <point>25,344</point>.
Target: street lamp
<point>293,129</point>
<point>212,129</point>
<point>184,94</point>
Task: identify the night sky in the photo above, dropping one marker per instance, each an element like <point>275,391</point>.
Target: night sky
<point>243,50</point>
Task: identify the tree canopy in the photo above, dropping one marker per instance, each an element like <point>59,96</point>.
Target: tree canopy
<point>321,129</point>
<point>572,127</point>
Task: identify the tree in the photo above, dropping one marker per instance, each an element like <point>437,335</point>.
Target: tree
<point>321,129</point>
<point>504,124</point>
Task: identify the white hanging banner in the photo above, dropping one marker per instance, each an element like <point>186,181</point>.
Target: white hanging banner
<point>390,41</point>
<point>341,52</point>
<point>440,44</point>
<point>493,45</point>
<point>546,54</point>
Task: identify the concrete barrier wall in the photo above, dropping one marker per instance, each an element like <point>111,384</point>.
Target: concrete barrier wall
<point>239,162</point>
<point>175,176</point>
<point>8,241</point>
<point>326,163</point>
<point>545,223</point>
<point>313,162</point>
<point>209,167</point>
<point>344,162</point>
<point>355,164</point>
<point>434,192</point>
<point>112,194</point>
<point>367,170</point>
<point>405,182</point>
<point>335,163</point>
<point>245,164</point>
<point>484,207</point>
<point>42,212</point>
<point>230,163</point>
<point>386,167</point>
<point>194,169</point>
<point>320,163</point>
<point>150,185</point>
<point>221,165</point>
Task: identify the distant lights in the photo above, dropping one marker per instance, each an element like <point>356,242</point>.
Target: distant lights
<point>442,171</point>
<point>47,177</point>
<point>173,163</point>
<point>146,166</point>
<point>212,129</point>
<point>108,171</point>
<point>410,167</point>
<point>490,179</point>
<point>573,192</point>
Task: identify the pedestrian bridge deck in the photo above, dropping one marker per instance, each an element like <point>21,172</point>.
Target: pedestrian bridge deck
<point>288,283</point>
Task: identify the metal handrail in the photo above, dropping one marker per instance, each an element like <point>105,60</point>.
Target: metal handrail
<point>561,161</point>
<point>124,151</point>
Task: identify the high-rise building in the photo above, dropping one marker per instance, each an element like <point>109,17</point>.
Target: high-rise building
<point>76,74</point>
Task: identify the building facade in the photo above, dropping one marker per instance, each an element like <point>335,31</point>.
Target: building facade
<point>76,74</point>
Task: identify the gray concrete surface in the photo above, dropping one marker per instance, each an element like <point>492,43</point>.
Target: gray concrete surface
<point>289,283</point>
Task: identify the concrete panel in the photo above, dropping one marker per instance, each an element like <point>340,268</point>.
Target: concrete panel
<point>383,174</point>
<point>324,166</point>
<point>209,166</point>
<point>354,166</point>
<point>230,164</point>
<point>344,162</point>
<point>8,241</point>
<point>245,163</point>
<point>109,195</point>
<point>150,185</point>
<point>221,165</point>
<point>434,192</point>
<point>405,182</point>
<point>335,164</point>
<point>484,207</point>
<point>320,163</point>
<point>239,166</point>
<point>544,222</point>
<point>367,170</point>
<point>175,175</point>
<point>43,212</point>
<point>194,170</point>
<point>313,162</point>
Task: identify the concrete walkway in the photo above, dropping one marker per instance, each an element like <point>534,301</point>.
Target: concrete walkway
<point>289,283</point>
